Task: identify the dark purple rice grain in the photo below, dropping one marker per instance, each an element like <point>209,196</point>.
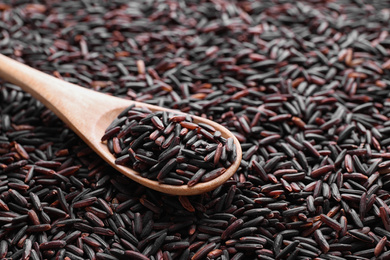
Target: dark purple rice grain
<point>55,211</point>
<point>321,240</point>
<point>203,251</point>
<point>277,244</point>
<point>72,256</point>
<point>283,253</point>
<point>17,197</point>
<point>361,236</point>
<point>243,232</point>
<point>52,245</point>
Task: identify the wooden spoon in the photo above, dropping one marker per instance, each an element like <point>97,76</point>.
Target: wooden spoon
<point>88,113</point>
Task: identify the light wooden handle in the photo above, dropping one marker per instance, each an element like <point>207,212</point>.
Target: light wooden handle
<point>78,107</point>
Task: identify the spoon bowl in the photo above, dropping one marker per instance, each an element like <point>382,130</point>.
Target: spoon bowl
<point>88,113</point>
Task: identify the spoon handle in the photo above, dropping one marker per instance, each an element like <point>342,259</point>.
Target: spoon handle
<point>80,108</point>
<point>40,85</point>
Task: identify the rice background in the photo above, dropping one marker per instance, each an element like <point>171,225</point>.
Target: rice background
<point>304,86</point>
